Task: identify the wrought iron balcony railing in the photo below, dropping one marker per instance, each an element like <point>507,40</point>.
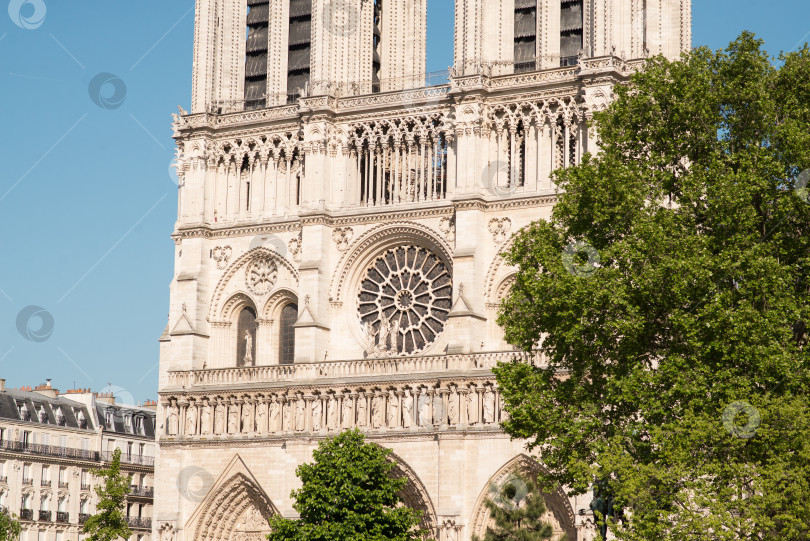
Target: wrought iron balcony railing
<point>139,522</point>
<point>44,516</point>
<point>83,517</point>
<point>48,450</point>
<point>27,514</point>
<point>140,460</point>
<point>63,516</point>
<point>147,492</point>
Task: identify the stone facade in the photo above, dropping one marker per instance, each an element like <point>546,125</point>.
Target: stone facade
<point>49,442</point>
<point>337,256</point>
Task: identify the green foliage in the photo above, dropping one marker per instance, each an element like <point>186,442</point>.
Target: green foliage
<point>10,527</point>
<point>677,353</point>
<point>109,522</point>
<point>517,507</point>
<point>348,494</point>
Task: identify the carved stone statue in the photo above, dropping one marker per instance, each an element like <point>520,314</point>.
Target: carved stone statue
<point>332,413</point>
<point>348,421</point>
<point>173,424</point>
<point>407,409</point>
<point>191,420</point>
<point>361,410</point>
<point>248,348</point>
<point>393,410</point>
<point>219,419</point>
<point>275,416</point>
<point>472,406</point>
<point>424,409</point>
<point>261,417</point>
<point>299,413</point>
<point>438,409</point>
<point>233,419</point>
<point>288,415</point>
<point>317,412</point>
<point>452,408</point>
<point>205,418</point>
<point>489,406</point>
<point>247,424</point>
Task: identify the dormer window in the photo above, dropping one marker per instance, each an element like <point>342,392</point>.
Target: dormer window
<point>139,425</point>
<point>128,423</point>
<point>109,418</point>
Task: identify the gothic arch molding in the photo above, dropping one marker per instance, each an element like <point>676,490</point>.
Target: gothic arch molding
<point>217,306</point>
<point>276,300</point>
<point>560,513</point>
<point>236,508</point>
<point>415,495</point>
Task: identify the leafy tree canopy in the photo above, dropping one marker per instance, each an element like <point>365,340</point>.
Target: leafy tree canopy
<point>348,494</point>
<point>109,521</point>
<point>10,527</point>
<point>669,294</point>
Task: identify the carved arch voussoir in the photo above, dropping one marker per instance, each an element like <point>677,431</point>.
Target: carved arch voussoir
<point>415,495</point>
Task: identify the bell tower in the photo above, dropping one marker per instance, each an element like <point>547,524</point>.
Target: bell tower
<point>252,54</point>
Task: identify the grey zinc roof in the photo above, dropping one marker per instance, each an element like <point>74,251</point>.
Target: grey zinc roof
<point>9,398</point>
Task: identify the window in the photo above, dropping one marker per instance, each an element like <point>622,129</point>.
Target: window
<point>63,504</point>
<point>83,506</point>
<point>62,476</point>
<point>570,31</point>
<point>286,342</point>
<point>43,503</point>
<point>525,35</point>
<point>128,423</point>
<point>46,473</point>
<point>139,425</point>
<point>60,536</point>
<point>140,449</point>
<point>26,471</point>
<point>376,47</point>
<point>258,18</point>
<point>129,450</point>
<point>26,501</point>
<point>109,418</point>
<point>46,439</point>
<point>298,53</point>
<point>246,338</point>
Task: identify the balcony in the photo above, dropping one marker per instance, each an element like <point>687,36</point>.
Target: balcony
<point>83,517</point>
<point>45,483</point>
<point>27,482</point>
<point>85,486</point>
<point>3,479</point>
<point>44,516</point>
<point>63,517</point>
<point>27,514</point>
<point>139,460</point>
<point>146,492</point>
<point>63,484</point>
<point>140,522</point>
<point>48,450</point>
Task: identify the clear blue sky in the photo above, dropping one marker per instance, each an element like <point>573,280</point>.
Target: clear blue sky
<point>86,200</point>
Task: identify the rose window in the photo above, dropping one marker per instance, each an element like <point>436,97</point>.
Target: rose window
<point>261,275</point>
<point>404,300</point>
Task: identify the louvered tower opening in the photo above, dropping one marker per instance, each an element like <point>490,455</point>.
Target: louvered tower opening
<point>258,19</point>
<point>570,31</point>
<point>300,46</point>
<point>377,37</point>
<point>525,35</point>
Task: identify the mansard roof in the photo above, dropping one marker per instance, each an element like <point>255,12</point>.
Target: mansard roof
<point>119,413</point>
<point>35,402</point>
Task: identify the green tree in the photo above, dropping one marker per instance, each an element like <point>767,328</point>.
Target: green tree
<point>517,507</point>
<point>348,494</point>
<point>10,527</point>
<point>109,522</point>
<point>669,296</point>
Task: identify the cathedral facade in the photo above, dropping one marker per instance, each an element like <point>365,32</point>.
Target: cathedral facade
<point>340,220</point>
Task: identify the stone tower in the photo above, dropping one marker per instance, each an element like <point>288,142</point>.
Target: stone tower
<point>338,238</point>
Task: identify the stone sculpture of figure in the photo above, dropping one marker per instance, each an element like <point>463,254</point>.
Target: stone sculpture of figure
<point>219,419</point>
<point>299,413</point>
<point>317,412</point>
<point>191,420</point>
<point>377,411</point>
<point>261,418</point>
<point>288,415</point>
<point>174,419</point>
<point>233,419</point>
<point>407,409</point>
<point>247,425</point>
<point>275,415</point>
<point>489,406</point>
<point>361,410</point>
<point>472,406</point>
<point>332,413</point>
<point>439,411</point>
<point>424,409</point>
<point>452,409</point>
<point>348,421</point>
<point>393,329</point>
<point>248,348</point>
<point>205,418</point>
<point>383,334</point>
<point>393,410</point>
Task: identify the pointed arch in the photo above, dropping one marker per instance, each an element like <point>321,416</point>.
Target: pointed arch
<point>560,514</point>
<point>236,507</point>
<point>415,495</point>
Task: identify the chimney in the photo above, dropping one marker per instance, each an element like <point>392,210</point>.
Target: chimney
<point>150,404</point>
<point>2,384</point>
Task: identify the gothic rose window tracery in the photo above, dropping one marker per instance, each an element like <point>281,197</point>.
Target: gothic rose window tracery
<point>404,300</point>
<point>261,275</point>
